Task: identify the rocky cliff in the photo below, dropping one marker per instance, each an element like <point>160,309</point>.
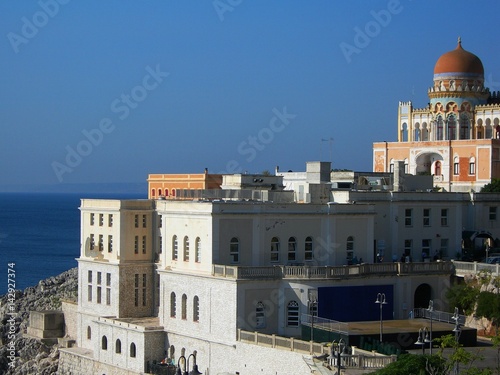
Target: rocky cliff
<point>30,355</point>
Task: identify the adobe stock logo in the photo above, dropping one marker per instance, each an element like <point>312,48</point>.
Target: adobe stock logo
<point>40,19</point>
<point>250,147</point>
<point>121,106</point>
<point>363,37</point>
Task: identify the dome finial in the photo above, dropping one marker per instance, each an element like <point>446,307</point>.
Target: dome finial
<point>459,40</point>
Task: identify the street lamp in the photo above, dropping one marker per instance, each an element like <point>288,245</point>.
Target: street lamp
<point>194,371</point>
<point>430,309</point>
<point>381,301</point>
<point>423,338</point>
<point>341,351</point>
<point>313,311</point>
<point>458,331</point>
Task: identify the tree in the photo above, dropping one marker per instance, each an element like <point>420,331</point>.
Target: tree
<point>488,306</point>
<point>411,364</point>
<point>492,187</point>
<point>463,296</point>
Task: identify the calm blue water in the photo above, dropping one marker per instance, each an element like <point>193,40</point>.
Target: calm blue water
<point>40,233</point>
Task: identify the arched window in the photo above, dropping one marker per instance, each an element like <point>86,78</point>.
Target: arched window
<point>275,249</point>
<point>172,305</point>
<point>89,333</point>
<point>464,126</point>
<point>196,309</point>
<point>260,316</point>
<point>104,343</point>
<point>175,248</point>
<point>350,249</point>
<point>197,250</point>
<point>439,128</point>
<point>118,346</point>
<point>451,134</point>
<point>186,249</point>
<point>425,132</point>
<point>472,165</point>
<point>234,250</point>
<point>488,130</point>
<point>391,166</point>
<point>159,192</point>
<point>456,166</point>
<point>166,192</point>
<point>416,132</point>
<point>184,307</point>
<point>404,132</point>
<point>292,314</point>
<point>406,166</point>
<point>132,350</point>
<point>153,192</point>
<point>308,249</point>
<point>292,248</point>
<point>437,168</point>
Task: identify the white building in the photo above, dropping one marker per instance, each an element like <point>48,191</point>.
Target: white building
<point>165,278</point>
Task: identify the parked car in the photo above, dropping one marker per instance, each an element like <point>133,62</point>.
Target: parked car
<point>493,260</point>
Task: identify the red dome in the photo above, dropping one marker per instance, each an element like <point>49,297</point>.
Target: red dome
<point>459,61</point>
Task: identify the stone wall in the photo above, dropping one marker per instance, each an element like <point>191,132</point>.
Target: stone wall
<point>76,361</point>
<point>69,309</point>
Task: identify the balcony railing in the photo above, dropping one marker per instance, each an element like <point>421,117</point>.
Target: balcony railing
<point>473,268</point>
<point>330,272</point>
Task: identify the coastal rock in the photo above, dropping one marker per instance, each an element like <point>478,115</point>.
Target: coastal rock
<point>31,355</point>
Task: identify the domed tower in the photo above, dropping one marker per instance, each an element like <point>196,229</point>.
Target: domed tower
<point>458,89</point>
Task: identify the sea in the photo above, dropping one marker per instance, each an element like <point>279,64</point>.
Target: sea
<point>40,234</point>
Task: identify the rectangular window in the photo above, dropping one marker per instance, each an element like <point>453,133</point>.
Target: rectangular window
<point>136,289</point>
<point>89,293</point>
<point>456,169</point>
<point>110,243</point>
<point>408,248</point>
<point>98,278</point>
<point>92,241</point>
<point>160,221</point>
<point>136,221</point>
<point>444,217</point>
<point>108,296</point>
<point>160,245</point>
<point>99,294</point>
<point>92,218</point>
<point>426,248</point>
<point>144,221</point>
<point>144,244</point>
<point>101,220</point>
<point>136,245</point>
<point>427,217</point>
<point>108,279</point>
<point>493,213</point>
<point>110,220</point>
<point>308,249</point>
<point>408,217</point>
<point>444,248</point>
<point>472,168</point>
<point>101,242</point>
<point>89,276</point>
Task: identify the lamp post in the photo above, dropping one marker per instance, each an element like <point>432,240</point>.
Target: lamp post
<point>430,309</point>
<point>341,351</point>
<point>381,301</point>
<point>313,308</point>
<point>194,371</point>
<point>423,338</point>
<point>457,330</point>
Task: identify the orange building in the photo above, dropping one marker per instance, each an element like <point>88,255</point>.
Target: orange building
<point>167,185</point>
<point>456,138</point>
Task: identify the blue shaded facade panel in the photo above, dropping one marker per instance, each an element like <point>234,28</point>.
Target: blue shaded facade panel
<point>355,303</point>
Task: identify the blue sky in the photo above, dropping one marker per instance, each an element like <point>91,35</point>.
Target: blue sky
<point>109,91</point>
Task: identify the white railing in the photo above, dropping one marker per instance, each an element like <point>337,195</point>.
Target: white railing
<point>437,316</point>
<point>331,272</point>
<point>325,324</point>
<point>473,268</point>
<point>278,342</point>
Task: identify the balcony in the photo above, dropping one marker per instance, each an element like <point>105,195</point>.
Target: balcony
<point>331,272</point>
